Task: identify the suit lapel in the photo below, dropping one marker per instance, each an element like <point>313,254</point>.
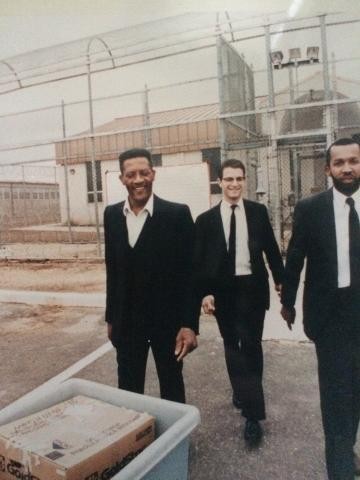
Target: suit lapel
<point>250,221</point>
<point>148,231</point>
<point>219,238</point>
<point>120,228</point>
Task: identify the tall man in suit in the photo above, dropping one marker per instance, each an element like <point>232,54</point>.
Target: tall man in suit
<point>148,251</point>
<point>232,280</point>
<point>326,232</point>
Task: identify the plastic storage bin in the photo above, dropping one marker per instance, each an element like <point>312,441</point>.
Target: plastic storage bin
<point>165,459</point>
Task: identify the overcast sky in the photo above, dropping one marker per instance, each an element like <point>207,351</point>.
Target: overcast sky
<point>30,24</point>
<point>26,25</point>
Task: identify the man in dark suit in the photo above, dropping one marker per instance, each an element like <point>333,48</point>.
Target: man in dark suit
<point>232,280</point>
<point>326,232</point>
<point>148,251</point>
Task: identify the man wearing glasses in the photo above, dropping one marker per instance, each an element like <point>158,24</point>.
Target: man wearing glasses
<point>148,251</point>
<point>232,282</point>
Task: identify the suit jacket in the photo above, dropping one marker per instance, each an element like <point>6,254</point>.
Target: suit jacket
<point>313,238</point>
<point>211,259</point>
<point>163,255</point>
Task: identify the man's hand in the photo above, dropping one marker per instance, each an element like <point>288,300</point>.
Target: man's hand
<point>109,331</point>
<point>278,287</point>
<point>185,342</point>
<point>208,304</point>
<point>288,315</point>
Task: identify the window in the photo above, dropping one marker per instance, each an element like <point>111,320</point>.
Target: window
<point>53,195</point>
<point>47,195</point>
<point>213,157</point>
<point>156,159</point>
<point>90,184</point>
<point>41,195</point>
<point>35,195</point>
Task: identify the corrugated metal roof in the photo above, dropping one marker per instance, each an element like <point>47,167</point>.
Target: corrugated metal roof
<point>167,117</point>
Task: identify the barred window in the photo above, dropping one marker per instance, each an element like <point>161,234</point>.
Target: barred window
<point>156,159</point>
<point>90,183</point>
<point>213,157</point>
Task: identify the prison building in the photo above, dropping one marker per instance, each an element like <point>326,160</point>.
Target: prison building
<point>28,203</point>
<point>175,137</point>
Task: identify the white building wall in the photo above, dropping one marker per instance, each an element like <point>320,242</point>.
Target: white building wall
<point>183,158</point>
<point>81,211</point>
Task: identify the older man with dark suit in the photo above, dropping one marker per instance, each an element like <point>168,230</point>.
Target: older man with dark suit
<point>230,241</point>
<point>326,233</point>
<point>148,251</point>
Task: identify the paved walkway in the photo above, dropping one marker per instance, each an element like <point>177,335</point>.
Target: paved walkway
<point>275,327</point>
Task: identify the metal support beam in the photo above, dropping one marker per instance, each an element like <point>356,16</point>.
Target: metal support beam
<point>220,73</point>
<point>66,172</point>
<point>326,77</point>
<point>274,185</point>
<point>92,153</point>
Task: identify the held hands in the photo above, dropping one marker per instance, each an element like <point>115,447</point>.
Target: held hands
<point>278,287</point>
<point>288,315</point>
<point>208,304</point>
<point>185,343</point>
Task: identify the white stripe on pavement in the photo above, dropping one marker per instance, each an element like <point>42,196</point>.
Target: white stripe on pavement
<point>66,299</point>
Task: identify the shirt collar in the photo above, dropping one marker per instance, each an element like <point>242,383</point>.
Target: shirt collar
<point>149,207</point>
<point>340,198</point>
<point>225,205</point>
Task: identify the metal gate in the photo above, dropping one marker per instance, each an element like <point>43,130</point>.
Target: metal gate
<point>302,173</point>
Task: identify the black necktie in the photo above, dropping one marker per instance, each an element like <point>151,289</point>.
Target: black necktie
<point>354,243</point>
<point>232,239</point>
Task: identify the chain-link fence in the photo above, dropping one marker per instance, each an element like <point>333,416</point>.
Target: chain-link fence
<point>191,89</point>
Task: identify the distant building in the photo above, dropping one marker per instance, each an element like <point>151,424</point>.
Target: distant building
<point>28,203</point>
<point>176,137</point>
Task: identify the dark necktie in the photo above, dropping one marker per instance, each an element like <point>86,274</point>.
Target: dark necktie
<point>354,243</point>
<point>232,239</point>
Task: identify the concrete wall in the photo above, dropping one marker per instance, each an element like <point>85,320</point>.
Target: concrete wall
<point>24,203</point>
<point>81,211</point>
<point>181,158</point>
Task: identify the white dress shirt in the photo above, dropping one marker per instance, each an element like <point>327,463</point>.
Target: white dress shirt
<point>242,256</point>
<point>341,211</point>
<point>135,223</point>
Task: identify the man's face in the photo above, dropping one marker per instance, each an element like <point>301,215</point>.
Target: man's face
<point>232,184</point>
<point>138,177</point>
<point>344,167</point>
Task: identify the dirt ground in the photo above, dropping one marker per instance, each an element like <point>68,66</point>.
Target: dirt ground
<point>41,251</point>
<point>83,277</point>
<point>38,342</point>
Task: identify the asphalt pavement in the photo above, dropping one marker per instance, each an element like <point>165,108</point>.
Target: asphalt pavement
<point>40,342</point>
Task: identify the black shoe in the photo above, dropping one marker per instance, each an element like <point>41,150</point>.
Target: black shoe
<point>253,432</point>
<point>236,402</point>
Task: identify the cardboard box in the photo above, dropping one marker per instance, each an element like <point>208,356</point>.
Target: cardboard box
<point>78,439</point>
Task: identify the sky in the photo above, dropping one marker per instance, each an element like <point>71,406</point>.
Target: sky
<point>29,25</point>
<point>26,25</point>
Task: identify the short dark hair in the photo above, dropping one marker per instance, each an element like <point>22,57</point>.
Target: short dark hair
<point>231,163</point>
<point>134,153</point>
<point>338,142</point>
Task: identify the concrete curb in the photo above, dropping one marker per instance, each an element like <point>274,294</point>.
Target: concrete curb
<point>66,299</point>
